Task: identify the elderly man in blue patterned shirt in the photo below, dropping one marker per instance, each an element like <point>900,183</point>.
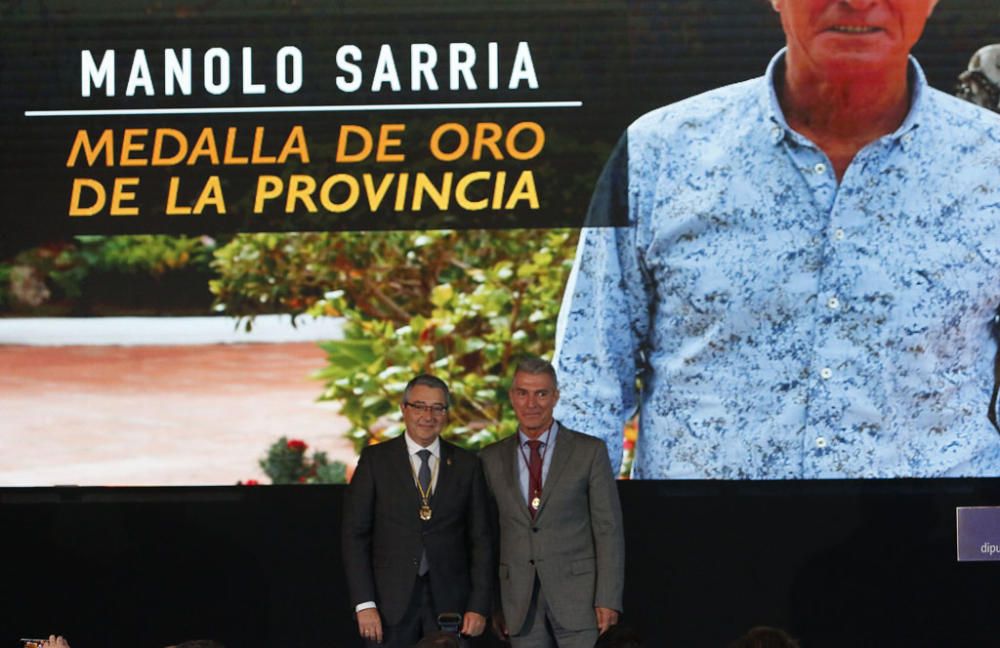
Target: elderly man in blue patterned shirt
<point>808,284</point>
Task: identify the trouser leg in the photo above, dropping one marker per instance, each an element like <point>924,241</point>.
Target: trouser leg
<point>535,633</point>
<point>542,629</point>
<point>419,619</point>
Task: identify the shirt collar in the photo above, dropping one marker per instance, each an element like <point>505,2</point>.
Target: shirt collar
<point>545,438</point>
<point>780,129</point>
<point>413,447</point>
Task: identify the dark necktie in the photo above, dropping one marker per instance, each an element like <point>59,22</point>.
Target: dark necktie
<point>534,474</point>
<point>424,477</point>
<point>424,474</point>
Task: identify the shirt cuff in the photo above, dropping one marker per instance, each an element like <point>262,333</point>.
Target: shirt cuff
<point>367,605</point>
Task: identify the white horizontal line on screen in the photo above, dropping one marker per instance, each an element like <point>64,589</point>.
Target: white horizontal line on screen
<point>286,109</point>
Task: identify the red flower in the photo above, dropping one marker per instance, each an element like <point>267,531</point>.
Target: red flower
<point>297,445</point>
<point>629,444</point>
<point>251,482</point>
<point>302,479</point>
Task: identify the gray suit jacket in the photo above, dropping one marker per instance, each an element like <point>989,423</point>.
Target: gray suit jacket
<point>575,544</point>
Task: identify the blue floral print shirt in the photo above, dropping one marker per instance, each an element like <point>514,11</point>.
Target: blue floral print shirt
<point>782,325</point>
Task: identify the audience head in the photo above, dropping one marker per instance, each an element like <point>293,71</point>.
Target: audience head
<point>619,636</point>
<point>765,637</point>
<point>439,639</point>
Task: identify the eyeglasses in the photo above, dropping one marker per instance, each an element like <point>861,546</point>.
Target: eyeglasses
<point>436,409</point>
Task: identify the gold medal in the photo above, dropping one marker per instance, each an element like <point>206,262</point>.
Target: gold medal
<point>425,512</point>
<point>536,501</point>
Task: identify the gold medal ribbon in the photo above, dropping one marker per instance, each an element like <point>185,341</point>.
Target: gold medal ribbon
<point>425,507</point>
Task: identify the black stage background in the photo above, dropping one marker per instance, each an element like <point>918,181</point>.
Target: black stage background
<point>838,563</point>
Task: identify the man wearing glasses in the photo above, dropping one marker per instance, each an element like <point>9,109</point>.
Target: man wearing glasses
<point>562,549</point>
<point>416,538</point>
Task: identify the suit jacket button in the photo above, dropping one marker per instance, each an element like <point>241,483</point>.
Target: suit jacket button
<point>532,562</point>
<point>534,529</point>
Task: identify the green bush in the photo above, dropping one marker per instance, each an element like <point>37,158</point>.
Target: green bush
<point>60,271</point>
<point>5,291</point>
<point>288,463</point>
<point>154,255</point>
<point>461,305</point>
<point>34,276</point>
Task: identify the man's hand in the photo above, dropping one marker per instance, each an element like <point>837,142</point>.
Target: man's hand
<point>370,625</point>
<point>473,624</point>
<point>500,625</point>
<point>606,617</point>
<point>56,642</point>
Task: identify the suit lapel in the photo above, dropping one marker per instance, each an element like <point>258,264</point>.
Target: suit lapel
<point>402,471</point>
<point>512,464</point>
<point>560,459</point>
<point>444,470</point>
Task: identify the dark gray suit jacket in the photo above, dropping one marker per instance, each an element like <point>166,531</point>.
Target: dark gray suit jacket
<point>383,536</point>
<point>575,544</point>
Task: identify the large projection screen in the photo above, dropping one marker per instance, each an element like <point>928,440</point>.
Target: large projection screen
<point>239,229</point>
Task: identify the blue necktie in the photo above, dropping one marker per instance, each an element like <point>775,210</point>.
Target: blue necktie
<point>424,477</point>
<point>424,474</point>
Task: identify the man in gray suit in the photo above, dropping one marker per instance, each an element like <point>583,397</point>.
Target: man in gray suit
<point>562,549</point>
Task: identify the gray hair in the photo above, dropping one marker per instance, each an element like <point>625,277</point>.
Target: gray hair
<point>427,380</point>
<point>536,366</point>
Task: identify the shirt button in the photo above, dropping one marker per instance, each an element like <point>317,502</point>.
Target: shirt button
<point>820,442</point>
<point>839,234</point>
<point>907,138</point>
<point>833,303</point>
<point>826,373</point>
<point>820,168</point>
